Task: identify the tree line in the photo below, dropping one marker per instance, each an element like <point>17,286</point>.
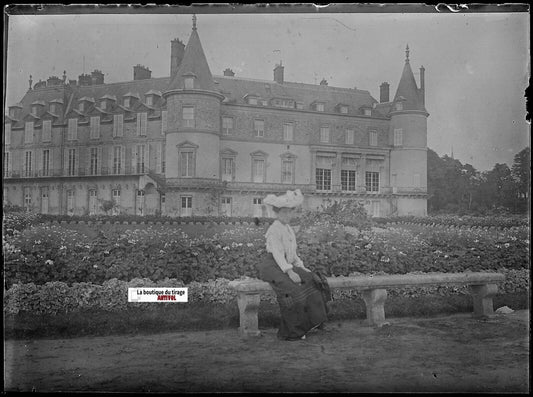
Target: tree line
<point>459,188</point>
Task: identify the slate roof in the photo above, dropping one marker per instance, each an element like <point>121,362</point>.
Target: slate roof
<point>194,62</point>
<point>408,90</point>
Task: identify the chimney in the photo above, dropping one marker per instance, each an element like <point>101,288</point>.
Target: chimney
<point>53,81</point>
<point>97,77</point>
<point>422,85</point>
<point>177,49</point>
<point>141,72</point>
<point>229,72</point>
<point>85,79</point>
<point>384,92</point>
<point>278,74</point>
<point>40,84</point>
<point>324,82</point>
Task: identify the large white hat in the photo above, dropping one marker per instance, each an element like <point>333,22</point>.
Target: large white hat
<point>291,199</point>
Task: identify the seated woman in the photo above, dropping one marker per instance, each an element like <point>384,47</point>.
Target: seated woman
<point>300,293</point>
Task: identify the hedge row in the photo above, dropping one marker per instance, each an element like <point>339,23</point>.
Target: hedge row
<point>58,297</point>
<point>124,259</point>
<point>466,221</point>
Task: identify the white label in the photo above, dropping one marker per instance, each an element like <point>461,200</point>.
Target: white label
<point>142,295</point>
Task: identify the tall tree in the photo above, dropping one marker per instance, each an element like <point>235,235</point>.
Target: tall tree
<point>521,172</point>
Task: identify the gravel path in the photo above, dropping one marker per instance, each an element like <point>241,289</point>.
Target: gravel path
<point>447,354</point>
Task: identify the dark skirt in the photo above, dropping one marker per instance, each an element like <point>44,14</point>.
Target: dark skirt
<point>302,306</point>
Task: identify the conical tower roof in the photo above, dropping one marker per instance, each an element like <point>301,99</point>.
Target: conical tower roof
<point>193,63</point>
<point>408,90</point>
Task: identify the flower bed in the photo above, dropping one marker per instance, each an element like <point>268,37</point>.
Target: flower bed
<point>44,254</point>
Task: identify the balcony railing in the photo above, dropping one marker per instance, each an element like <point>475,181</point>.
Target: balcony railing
<point>77,172</point>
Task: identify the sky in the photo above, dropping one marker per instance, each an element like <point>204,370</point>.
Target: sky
<point>476,64</point>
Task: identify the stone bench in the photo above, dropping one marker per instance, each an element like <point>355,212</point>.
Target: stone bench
<point>483,286</point>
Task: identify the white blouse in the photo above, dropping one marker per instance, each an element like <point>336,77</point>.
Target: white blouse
<point>281,243</point>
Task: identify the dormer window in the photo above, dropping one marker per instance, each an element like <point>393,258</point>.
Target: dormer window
<point>14,111</point>
<point>81,106</point>
<point>55,106</point>
<point>151,97</point>
<point>299,105</point>
<point>343,109</point>
<point>283,103</point>
<point>150,100</point>
<point>189,82</point>
<point>103,104</point>
<point>399,106</point>
<point>252,101</point>
<point>367,112</point>
<point>35,110</point>
<point>319,106</point>
<point>127,102</point>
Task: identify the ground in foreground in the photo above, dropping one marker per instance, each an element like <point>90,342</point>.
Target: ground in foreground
<point>453,353</point>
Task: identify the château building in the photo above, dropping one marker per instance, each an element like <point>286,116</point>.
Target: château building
<point>195,143</point>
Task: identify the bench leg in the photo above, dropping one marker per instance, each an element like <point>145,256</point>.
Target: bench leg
<point>482,295</point>
<point>375,306</point>
<point>248,311</point>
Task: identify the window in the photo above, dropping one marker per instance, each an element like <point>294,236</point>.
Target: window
<point>349,137</point>
<point>252,101</point>
<point>319,107</point>
<point>95,127</point>
<point>164,121</point>
<point>71,170</point>
<point>367,112</point>
<point>140,169</point>
<point>150,100</point>
<point>70,201</point>
<point>188,116</point>
<point>416,180</point>
<point>140,202</point>
<point>348,180</point>
<point>373,138</point>
<point>399,106</point>
<point>257,205</point>
<point>118,159</point>
<point>299,105</point>
<point>93,202</point>
<point>27,163</point>
<point>7,137</point>
<point>259,128</point>
<point>28,132</point>
<point>398,137</point>
<point>189,83</point>
<point>46,162</point>
<point>93,159</point>
<point>118,125</point>
<point>44,199</point>
<point>288,131</point>
<point>228,169</point>
<point>343,109</point>
<point>27,199</point>
<point>103,104</point>
<point>258,170</point>
<point>163,205</point>
<point>287,171</point>
<point>186,205</point>
<point>142,119</point>
<point>127,102</point>
<point>116,199</point>
<point>323,179</point>
<point>324,134</point>
<point>187,163</point>
<point>47,130</point>
<point>225,206</point>
<point>372,181</point>
<point>227,125</point>
<point>160,165</point>
<point>72,129</point>
<point>6,165</point>
<point>81,106</point>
